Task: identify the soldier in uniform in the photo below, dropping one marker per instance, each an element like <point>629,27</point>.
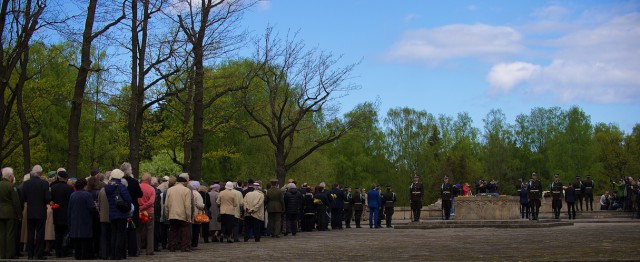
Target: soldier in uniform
<point>389,200</point>
<point>348,207</point>
<point>337,206</point>
<point>358,206</point>
<point>535,193</point>
<point>588,193</point>
<point>446,194</point>
<point>417,191</point>
<point>556,194</point>
<point>578,187</point>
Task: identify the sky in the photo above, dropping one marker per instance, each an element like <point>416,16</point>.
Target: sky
<point>449,57</point>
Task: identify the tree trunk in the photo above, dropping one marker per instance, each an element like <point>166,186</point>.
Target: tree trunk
<point>24,124</point>
<point>281,165</point>
<point>78,91</point>
<point>197,142</point>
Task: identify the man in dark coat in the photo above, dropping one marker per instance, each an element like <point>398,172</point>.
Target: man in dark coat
<point>36,195</point>
<point>588,193</point>
<point>446,194</point>
<point>60,194</point>
<point>337,206</point>
<point>322,202</point>
<point>358,202</point>
<point>556,195</point>
<point>10,211</point>
<point>534,189</point>
<point>293,203</point>
<point>578,187</point>
<point>275,207</point>
<point>417,191</point>
<point>348,207</point>
<point>309,211</point>
<point>389,200</point>
<point>570,198</point>
<point>135,192</point>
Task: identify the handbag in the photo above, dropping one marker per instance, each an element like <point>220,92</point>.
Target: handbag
<point>121,204</point>
<point>201,218</point>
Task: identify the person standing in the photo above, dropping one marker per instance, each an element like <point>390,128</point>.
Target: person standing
<point>535,193</point>
<point>374,201</point>
<point>214,224</point>
<point>348,207</point>
<point>275,207</point>
<point>309,211</point>
<point>578,187</point>
<point>60,194</point>
<point>198,207</point>
<point>179,209</point>
<point>228,202</point>
<point>570,198</point>
<point>446,194</point>
<point>81,210</point>
<point>322,202</point>
<point>524,201</point>
<point>146,204</point>
<point>588,193</point>
<point>254,213</point>
<point>389,199</point>
<point>105,225</point>
<point>10,212</point>
<point>358,206</point>
<point>337,206</point>
<point>133,186</point>
<point>118,215</point>
<point>293,204</point>
<point>36,195</point>
<point>556,195</point>
<point>417,191</point>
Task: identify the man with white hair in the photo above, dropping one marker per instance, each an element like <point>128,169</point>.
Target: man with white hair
<point>10,211</point>
<point>36,195</point>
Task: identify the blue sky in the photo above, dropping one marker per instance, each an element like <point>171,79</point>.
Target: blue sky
<point>447,57</point>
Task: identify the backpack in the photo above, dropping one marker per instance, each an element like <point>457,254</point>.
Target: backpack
<point>121,204</point>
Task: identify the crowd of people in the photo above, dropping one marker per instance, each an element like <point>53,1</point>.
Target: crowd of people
<point>113,215</point>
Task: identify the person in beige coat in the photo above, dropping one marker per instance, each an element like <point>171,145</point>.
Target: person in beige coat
<point>178,206</point>
<point>254,213</point>
<point>228,202</point>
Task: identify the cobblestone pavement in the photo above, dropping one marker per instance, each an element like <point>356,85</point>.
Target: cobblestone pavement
<point>580,242</point>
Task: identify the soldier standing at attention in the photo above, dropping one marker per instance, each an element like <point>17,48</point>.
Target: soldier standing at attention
<point>535,193</point>
<point>556,194</point>
<point>358,206</point>
<point>389,199</point>
<point>417,191</point>
<point>588,192</point>
<point>578,186</point>
<point>446,194</point>
<point>348,207</point>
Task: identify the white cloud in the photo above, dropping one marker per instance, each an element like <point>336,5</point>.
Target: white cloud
<point>600,64</point>
<point>435,45</point>
<point>410,18</point>
<point>554,12</point>
<point>264,5</point>
<point>504,76</point>
<point>472,8</point>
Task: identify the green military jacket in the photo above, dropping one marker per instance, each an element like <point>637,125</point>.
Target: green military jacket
<point>9,201</point>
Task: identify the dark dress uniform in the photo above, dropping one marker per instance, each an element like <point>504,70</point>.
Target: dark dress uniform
<point>388,200</point>
<point>588,193</point>
<point>417,191</point>
<point>309,216</point>
<point>578,187</point>
<point>570,198</point>
<point>358,206</point>
<point>535,193</point>
<point>337,207</point>
<point>556,195</point>
<point>446,193</point>
<point>348,208</point>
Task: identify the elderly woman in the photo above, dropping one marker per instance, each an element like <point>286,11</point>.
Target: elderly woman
<point>228,202</point>
<point>81,211</point>
<point>214,224</point>
<point>199,208</point>
<point>117,217</point>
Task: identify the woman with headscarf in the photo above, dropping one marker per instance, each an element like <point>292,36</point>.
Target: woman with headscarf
<point>198,207</point>
<point>81,211</point>
<point>214,224</point>
<point>228,202</point>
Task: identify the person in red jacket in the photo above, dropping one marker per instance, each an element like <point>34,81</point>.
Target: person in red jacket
<point>145,231</point>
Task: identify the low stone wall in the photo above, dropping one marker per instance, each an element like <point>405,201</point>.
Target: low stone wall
<point>487,208</point>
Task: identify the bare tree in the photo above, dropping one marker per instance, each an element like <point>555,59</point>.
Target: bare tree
<point>153,61</point>
<point>299,87</point>
<point>210,29</point>
<point>19,20</point>
<point>88,36</point>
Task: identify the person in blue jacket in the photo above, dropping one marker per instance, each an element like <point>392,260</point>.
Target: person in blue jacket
<point>373,199</point>
<point>117,217</point>
<point>524,201</point>
<point>570,198</point>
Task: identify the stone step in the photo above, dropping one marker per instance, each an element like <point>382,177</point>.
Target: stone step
<point>483,224</point>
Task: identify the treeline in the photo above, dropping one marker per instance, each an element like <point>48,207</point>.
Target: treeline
<point>161,90</point>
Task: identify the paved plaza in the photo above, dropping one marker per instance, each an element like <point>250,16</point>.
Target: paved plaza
<point>579,242</point>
